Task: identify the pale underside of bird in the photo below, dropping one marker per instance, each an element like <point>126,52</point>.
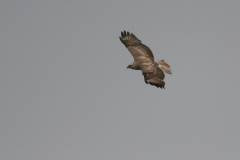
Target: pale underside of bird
<point>152,71</point>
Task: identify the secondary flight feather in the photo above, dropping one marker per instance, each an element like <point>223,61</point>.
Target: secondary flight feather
<point>152,71</point>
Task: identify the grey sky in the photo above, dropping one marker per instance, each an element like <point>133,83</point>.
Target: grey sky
<point>66,93</point>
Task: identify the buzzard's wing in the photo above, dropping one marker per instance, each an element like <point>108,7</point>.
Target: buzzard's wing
<point>135,46</point>
<point>153,75</point>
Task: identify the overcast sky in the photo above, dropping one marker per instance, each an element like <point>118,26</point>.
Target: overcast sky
<point>66,94</point>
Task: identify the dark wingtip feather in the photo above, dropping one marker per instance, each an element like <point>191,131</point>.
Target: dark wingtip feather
<point>120,39</point>
<point>156,85</point>
<point>122,34</point>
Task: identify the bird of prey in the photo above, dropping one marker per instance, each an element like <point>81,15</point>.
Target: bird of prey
<point>152,71</point>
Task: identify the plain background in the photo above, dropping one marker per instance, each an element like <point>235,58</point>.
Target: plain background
<point>65,91</point>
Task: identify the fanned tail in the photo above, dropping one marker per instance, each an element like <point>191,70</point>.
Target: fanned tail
<point>164,66</point>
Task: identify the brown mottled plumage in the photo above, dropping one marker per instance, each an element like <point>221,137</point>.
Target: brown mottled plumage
<point>152,71</point>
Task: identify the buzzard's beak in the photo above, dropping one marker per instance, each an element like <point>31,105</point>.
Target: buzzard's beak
<point>129,66</point>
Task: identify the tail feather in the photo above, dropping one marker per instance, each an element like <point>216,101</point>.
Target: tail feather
<point>164,66</point>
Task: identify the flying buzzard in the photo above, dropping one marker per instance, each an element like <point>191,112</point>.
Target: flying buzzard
<point>152,71</point>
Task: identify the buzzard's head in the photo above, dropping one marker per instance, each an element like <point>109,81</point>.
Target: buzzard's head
<point>134,67</point>
<point>129,66</point>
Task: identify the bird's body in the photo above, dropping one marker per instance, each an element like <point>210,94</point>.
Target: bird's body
<point>152,71</point>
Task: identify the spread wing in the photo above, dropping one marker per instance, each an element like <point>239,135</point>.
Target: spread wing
<point>144,59</point>
<point>135,46</point>
<point>152,74</point>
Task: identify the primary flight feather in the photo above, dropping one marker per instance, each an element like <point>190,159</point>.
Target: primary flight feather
<point>152,71</point>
